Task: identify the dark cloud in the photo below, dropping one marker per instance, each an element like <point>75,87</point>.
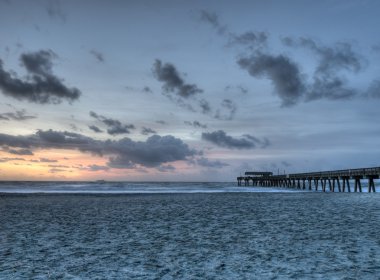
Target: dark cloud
<point>95,167</point>
<point>195,124</point>
<point>205,106</point>
<point>373,90</point>
<point>95,128</point>
<point>124,153</point>
<point>47,160</point>
<point>210,163</point>
<point>161,122</point>
<point>329,87</point>
<point>7,159</point>
<point>221,139</point>
<point>172,82</point>
<point>328,81</point>
<point>341,56</point>
<point>241,89</point>
<point>58,166</point>
<point>283,73</point>
<point>41,85</point>
<point>147,89</point>
<point>114,127</point>
<point>147,131</point>
<point>152,153</point>
<point>253,40</point>
<point>98,55</point>
<point>23,152</point>
<point>55,11</point>
<point>230,107</point>
<point>17,116</point>
<point>166,168</point>
<point>57,170</point>
<point>262,143</point>
<point>213,20</point>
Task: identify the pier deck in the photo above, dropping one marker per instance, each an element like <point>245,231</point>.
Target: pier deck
<point>337,180</point>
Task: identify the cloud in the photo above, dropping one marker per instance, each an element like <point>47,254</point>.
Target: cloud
<point>161,122</point>
<point>58,166</point>
<point>341,56</point>
<point>155,151</point>
<point>263,143</point>
<point>195,124</point>
<point>147,131</point>
<point>166,168</point>
<point>23,152</point>
<point>57,170</point>
<point>98,55</point>
<point>221,139</point>
<point>253,40</point>
<point>283,73</point>
<point>95,167</point>
<point>95,128</point>
<point>329,87</point>
<point>114,127</point>
<point>41,85</point>
<point>172,82</point>
<point>7,159</point>
<point>241,89</point>
<point>47,160</point>
<point>205,106</point>
<point>373,90</point>
<point>229,106</point>
<point>123,153</point>
<point>185,95</point>
<point>328,81</point>
<point>213,20</point>
<point>55,11</point>
<point>17,116</point>
<point>147,89</point>
<point>210,163</point>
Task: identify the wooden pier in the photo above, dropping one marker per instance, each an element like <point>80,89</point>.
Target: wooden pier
<point>333,181</point>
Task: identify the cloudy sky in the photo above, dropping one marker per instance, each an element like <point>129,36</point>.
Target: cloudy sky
<point>187,90</point>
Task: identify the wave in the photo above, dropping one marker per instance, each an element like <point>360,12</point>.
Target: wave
<point>129,187</point>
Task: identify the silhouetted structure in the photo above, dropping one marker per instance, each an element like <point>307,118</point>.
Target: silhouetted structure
<point>337,180</point>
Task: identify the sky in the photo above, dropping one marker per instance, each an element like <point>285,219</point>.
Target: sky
<point>187,90</point>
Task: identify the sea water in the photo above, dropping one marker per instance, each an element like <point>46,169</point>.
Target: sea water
<point>192,231</point>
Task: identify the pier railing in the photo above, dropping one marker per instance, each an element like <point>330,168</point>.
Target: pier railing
<point>337,179</point>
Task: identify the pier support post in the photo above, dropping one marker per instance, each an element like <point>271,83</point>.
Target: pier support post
<point>338,183</point>
<point>371,183</point>
<point>346,179</point>
<point>323,184</point>
<point>316,184</point>
<point>358,185</point>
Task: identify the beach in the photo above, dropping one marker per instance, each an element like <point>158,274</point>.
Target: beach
<point>291,235</point>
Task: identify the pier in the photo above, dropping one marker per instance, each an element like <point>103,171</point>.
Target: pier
<point>333,181</point>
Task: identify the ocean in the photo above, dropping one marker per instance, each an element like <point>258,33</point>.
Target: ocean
<point>107,230</point>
